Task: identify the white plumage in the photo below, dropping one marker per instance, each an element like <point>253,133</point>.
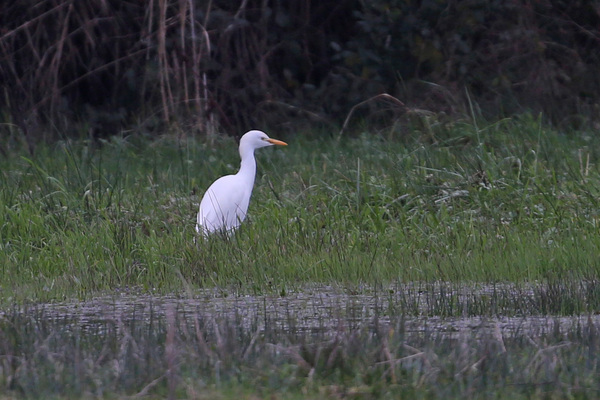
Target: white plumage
<point>225,203</point>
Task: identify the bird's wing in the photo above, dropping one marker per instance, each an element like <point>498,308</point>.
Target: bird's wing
<point>223,206</point>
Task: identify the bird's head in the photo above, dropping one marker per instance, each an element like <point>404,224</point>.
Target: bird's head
<point>256,139</point>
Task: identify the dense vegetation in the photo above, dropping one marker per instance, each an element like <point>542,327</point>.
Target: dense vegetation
<point>224,66</point>
<point>509,201</point>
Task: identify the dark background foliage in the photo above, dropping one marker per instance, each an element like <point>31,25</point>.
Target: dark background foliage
<point>225,66</point>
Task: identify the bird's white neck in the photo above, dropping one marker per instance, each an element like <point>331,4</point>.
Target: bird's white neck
<point>247,166</point>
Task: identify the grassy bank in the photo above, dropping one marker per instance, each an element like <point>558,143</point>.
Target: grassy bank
<point>512,201</point>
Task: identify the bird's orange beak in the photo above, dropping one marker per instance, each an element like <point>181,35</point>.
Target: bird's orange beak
<point>276,142</point>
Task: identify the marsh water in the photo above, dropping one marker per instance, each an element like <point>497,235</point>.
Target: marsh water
<point>444,338</point>
<point>442,308</point>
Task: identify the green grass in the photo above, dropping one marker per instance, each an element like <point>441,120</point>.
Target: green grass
<point>512,201</point>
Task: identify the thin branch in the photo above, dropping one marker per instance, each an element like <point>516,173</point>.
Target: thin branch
<point>377,97</point>
<point>26,25</point>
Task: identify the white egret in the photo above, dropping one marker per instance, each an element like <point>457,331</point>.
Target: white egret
<point>225,203</point>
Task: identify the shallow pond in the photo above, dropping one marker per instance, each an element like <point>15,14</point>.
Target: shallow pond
<point>448,340</point>
<point>441,308</point>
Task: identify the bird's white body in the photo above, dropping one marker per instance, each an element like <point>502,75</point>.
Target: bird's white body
<point>225,203</point>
